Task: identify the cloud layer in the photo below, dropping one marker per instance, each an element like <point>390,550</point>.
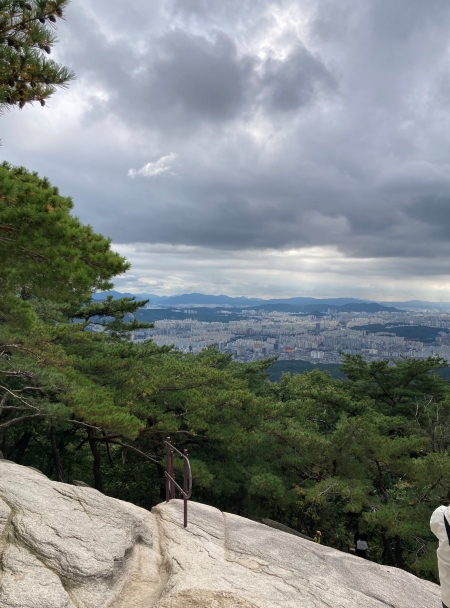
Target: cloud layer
<point>292,126</point>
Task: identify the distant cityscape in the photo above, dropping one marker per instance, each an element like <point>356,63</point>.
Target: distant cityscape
<point>252,334</point>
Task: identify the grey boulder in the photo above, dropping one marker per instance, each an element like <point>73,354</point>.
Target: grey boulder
<point>64,546</point>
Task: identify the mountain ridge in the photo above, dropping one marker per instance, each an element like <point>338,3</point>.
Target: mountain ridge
<point>224,300</point>
<point>201,299</point>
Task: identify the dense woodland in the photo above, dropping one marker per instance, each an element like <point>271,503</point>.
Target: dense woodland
<point>367,452</point>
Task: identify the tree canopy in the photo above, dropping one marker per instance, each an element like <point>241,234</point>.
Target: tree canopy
<point>46,252</point>
<point>51,265</point>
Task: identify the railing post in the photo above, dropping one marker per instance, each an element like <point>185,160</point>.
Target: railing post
<point>168,470</point>
<point>171,484</point>
<point>185,485</point>
<point>172,473</point>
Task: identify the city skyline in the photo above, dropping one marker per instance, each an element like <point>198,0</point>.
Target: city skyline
<point>273,148</point>
<point>252,335</point>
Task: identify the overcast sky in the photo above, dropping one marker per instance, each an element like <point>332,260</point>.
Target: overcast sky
<point>256,147</point>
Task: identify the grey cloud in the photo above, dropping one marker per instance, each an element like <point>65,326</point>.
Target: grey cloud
<point>399,21</point>
<point>205,78</point>
<point>227,216</point>
<point>232,12</point>
<point>180,269</point>
<point>296,80</point>
<point>179,79</point>
<point>335,22</point>
<point>434,212</point>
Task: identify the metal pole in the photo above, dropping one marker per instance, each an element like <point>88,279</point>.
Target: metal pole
<point>172,473</point>
<point>185,485</point>
<point>168,471</point>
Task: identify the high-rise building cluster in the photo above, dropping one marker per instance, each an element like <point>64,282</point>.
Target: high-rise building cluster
<point>258,334</point>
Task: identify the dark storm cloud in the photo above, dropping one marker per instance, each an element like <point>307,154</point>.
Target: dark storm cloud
<point>204,77</point>
<point>274,215</point>
<point>434,213</point>
<point>296,80</point>
<point>179,79</point>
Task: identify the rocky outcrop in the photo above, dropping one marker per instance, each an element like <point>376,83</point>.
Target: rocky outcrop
<point>64,547</point>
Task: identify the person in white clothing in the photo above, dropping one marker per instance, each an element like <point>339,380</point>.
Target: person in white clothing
<point>361,545</point>
<point>440,526</point>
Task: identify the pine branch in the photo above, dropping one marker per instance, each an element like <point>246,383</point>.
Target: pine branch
<point>7,425</point>
<point>153,458</point>
<point>26,36</point>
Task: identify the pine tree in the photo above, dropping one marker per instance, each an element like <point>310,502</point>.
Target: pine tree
<point>46,252</point>
<point>51,265</point>
<point>27,35</point>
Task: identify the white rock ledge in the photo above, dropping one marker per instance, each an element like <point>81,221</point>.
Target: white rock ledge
<point>64,546</point>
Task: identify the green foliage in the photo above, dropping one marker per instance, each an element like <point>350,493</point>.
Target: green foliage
<point>398,385</point>
<point>297,366</point>
<point>27,35</point>
<point>267,486</point>
<point>370,453</point>
<point>110,315</point>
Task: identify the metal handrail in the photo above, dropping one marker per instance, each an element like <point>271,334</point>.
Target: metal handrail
<point>171,484</point>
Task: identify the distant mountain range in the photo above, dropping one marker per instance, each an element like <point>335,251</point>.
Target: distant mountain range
<point>419,305</point>
<point>201,299</point>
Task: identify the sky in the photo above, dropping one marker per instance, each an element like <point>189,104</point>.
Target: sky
<point>259,148</point>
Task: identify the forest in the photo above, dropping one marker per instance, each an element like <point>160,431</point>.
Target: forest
<point>367,452</point>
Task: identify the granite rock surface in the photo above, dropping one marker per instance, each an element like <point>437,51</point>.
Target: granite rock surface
<point>63,546</point>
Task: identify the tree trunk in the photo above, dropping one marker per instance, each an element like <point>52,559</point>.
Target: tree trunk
<point>307,528</point>
<point>399,553</point>
<point>98,479</point>
<point>21,446</point>
<point>56,456</point>
<point>108,451</point>
<point>5,445</point>
<point>387,556</point>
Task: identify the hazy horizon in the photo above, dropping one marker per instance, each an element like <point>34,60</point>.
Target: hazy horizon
<point>267,297</point>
